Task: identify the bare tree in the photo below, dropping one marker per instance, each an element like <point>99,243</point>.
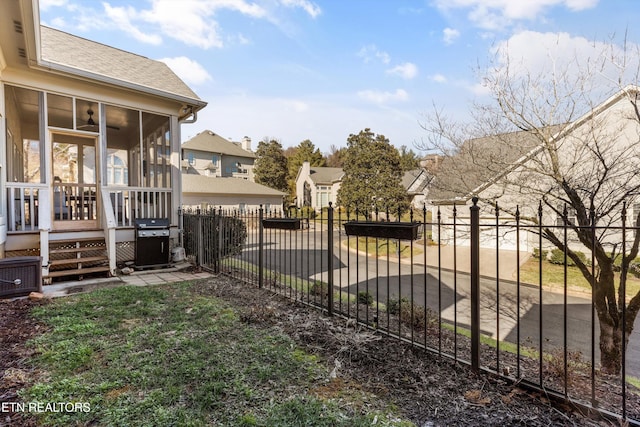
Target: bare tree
<point>546,135</point>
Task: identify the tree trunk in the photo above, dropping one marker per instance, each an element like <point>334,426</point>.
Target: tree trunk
<point>610,346</point>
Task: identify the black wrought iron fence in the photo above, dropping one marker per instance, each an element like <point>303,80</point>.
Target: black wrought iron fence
<point>482,288</point>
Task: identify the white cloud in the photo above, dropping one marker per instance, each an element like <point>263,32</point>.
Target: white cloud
<point>496,14</point>
<point>530,55</point>
<point>406,71</point>
<point>379,97</point>
<point>535,52</point>
<point>191,21</point>
<point>188,70</point>
<point>449,35</point>
<point>439,78</point>
<point>371,52</point>
<point>122,17</point>
<point>478,89</point>
<point>311,8</point>
<point>46,4</point>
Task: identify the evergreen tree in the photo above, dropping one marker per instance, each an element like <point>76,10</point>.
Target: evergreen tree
<point>372,175</point>
<point>408,159</point>
<point>271,165</point>
<point>335,157</point>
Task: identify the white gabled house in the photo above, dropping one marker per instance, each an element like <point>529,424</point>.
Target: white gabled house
<point>316,187</point>
<point>599,152</point>
<point>89,141</point>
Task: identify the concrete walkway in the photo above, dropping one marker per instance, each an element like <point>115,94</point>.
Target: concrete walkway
<point>506,266</point>
<point>460,259</point>
<point>178,273</point>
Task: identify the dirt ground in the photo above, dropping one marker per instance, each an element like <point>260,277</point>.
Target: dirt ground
<point>428,390</point>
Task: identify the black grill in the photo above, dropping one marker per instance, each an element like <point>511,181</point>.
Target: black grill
<point>152,242</point>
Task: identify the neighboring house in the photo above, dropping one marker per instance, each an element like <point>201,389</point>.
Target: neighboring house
<point>204,192</point>
<point>218,173</point>
<point>212,155</point>
<point>416,182</point>
<point>458,177</point>
<point>317,186</point>
<point>512,177</point>
<point>89,141</point>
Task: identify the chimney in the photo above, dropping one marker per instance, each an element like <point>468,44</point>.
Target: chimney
<point>246,143</point>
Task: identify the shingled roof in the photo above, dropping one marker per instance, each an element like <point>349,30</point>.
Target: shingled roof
<point>105,61</point>
<point>210,142</point>
<point>324,175</point>
<point>479,160</point>
<point>410,177</point>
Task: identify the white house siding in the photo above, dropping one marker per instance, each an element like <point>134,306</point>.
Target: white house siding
<point>505,229</point>
<point>249,203</point>
<point>616,133</point>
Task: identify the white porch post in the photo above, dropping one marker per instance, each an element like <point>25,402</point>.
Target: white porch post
<point>3,172</point>
<point>176,178</point>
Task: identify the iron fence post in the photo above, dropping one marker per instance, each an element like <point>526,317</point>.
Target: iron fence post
<point>180,227</point>
<point>200,240</point>
<point>260,248</point>
<point>330,260</point>
<point>475,285</point>
<point>219,227</point>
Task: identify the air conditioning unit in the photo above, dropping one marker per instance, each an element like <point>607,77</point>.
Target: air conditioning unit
<point>20,276</point>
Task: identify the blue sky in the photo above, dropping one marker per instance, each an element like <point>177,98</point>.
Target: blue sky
<point>323,69</point>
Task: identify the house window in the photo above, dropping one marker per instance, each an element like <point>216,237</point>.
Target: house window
<point>635,212</point>
<point>267,207</point>
<point>571,216</point>
<point>214,159</point>
<point>322,198</point>
<point>191,158</point>
<point>117,170</point>
<point>242,207</point>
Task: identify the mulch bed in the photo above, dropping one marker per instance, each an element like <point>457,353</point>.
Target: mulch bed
<point>16,328</point>
<point>427,389</point>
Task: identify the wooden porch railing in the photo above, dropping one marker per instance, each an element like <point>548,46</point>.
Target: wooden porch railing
<point>75,202</point>
<point>129,203</point>
<point>23,206</point>
<point>29,207</point>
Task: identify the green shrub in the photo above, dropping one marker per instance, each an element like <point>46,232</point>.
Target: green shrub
<point>557,257</point>
<point>540,254</point>
<point>221,236</point>
<point>634,266</point>
<point>394,305</point>
<point>412,315</point>
<point>303,212</point>
<point>319,288</point>
<point>365,297</point>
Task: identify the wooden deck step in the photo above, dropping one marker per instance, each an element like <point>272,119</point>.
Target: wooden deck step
<point>77,260</point>
<point>76,250</point>
<point>77,256</point>
<point>78,271</point>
